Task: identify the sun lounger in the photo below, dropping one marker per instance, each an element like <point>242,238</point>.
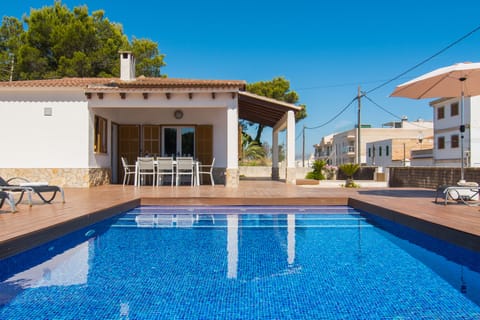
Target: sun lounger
<point>8,196</point>
<point>466,194</point>
<point>24,186</point>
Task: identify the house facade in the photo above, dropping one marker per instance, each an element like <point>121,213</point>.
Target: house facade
<point>447,134</point>
<point>324,150</point>
<point>397,152</point>
<point>73,131</point>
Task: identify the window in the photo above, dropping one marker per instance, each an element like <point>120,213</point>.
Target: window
<point>454,109</point>
<point>379,151</point>
<point>369,152</point>
<point>178,141</point>
<point>100,132</point>
<point>441,113</point>
<point>387,151</point>
<point>454,142</point>
<point>441,142</point>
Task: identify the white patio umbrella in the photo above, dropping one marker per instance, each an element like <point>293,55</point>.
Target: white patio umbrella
<point>458,80</point>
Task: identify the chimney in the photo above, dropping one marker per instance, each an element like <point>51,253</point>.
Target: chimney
<point>127,66</point>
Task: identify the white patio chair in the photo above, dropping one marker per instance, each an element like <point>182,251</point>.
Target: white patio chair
<point>145,167</point>
<point>204,169</point>
<point>184,168</point>
<point>165,167</point>
<point>128,170</point>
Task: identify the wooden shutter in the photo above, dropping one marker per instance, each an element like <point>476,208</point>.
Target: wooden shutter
<point>204,143</point>
<point>128,145</point>
<point>151,140</point>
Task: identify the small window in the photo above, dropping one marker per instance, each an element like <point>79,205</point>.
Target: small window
<point>379,151</point>
<point>387,151</point>
<point>100,144</point>
<point>441,113</point>
<point>441,142</point>
<point>454,142</point>
<point>369,152</point>
<point>454,109</point>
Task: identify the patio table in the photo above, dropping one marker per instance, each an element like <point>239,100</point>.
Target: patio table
<point>196,175</point>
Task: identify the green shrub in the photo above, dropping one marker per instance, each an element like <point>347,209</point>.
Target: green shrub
<point>317,173</point>
<point>349,169</point>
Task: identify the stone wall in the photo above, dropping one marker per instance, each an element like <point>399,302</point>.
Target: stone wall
<point>429,177</point>
<point>64,177</point>
<point>266,172</point>
<point>363,173</point>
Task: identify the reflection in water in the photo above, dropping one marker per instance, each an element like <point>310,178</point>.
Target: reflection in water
<point>68,268</point>
<point>232,245</point>
<point>65,269</point>
<point>124,311</point>
<point>291,238</point>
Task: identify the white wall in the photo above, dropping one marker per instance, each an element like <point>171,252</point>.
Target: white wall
<point>65,139</point>
<point>158,110</point>
<point>383,160</point>
<point>33,140</point>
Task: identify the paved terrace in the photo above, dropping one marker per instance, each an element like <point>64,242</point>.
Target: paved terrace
<point>414,207</point>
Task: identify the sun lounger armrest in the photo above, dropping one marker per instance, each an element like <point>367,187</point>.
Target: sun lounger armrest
<point>23,180</point>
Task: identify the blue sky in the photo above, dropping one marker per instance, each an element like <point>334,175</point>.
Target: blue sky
<point>326,49</point>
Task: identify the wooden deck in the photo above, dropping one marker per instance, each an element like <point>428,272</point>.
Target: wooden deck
<point>31,226</point>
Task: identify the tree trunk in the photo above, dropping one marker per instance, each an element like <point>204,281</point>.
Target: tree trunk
<point>258,136</point>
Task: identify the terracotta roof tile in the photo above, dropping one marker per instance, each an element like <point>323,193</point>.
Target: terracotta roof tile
<point>140,82</point>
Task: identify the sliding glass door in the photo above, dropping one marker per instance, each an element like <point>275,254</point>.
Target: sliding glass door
<point>178,141</point>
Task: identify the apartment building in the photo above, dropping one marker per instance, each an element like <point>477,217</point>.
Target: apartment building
<point>341,147</point>
<point>448,136</point>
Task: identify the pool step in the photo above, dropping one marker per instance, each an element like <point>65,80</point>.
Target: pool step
<point>145,220</point>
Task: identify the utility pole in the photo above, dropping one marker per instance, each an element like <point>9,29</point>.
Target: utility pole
<point>359,124</point>
<point>303,147</point>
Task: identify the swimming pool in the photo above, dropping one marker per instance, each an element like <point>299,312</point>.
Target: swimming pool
<point>242,263</point>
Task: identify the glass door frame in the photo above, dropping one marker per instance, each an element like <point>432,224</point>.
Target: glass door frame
<point>179,134</point>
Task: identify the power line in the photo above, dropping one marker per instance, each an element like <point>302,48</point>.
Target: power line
<point>334,117</point>
<point>339,85</point>
<point>392,114</point>
<point>382,108</point>
<point>395,78</point>
<point>426,60</point>
<point>299,135</point>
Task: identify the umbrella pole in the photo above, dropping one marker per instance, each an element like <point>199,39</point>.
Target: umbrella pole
<point>462,131</point>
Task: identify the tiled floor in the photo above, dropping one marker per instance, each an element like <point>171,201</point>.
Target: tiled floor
<point>415,207</point>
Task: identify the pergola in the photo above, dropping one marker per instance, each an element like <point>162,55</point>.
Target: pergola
<point>278,115</point>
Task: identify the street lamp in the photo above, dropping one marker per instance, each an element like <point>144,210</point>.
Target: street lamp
<point>420,139</point>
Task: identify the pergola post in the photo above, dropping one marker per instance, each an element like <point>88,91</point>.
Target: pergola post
<point>275,157</point>
<point>232,178</point>
<point>291,173</point>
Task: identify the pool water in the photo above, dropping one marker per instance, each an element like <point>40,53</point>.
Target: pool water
<point>242,263</point>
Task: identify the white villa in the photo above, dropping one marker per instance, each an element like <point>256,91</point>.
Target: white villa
<point>73,131</point>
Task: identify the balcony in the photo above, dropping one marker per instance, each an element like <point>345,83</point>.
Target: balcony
<point>349,150</point>
<point>351,137</point>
